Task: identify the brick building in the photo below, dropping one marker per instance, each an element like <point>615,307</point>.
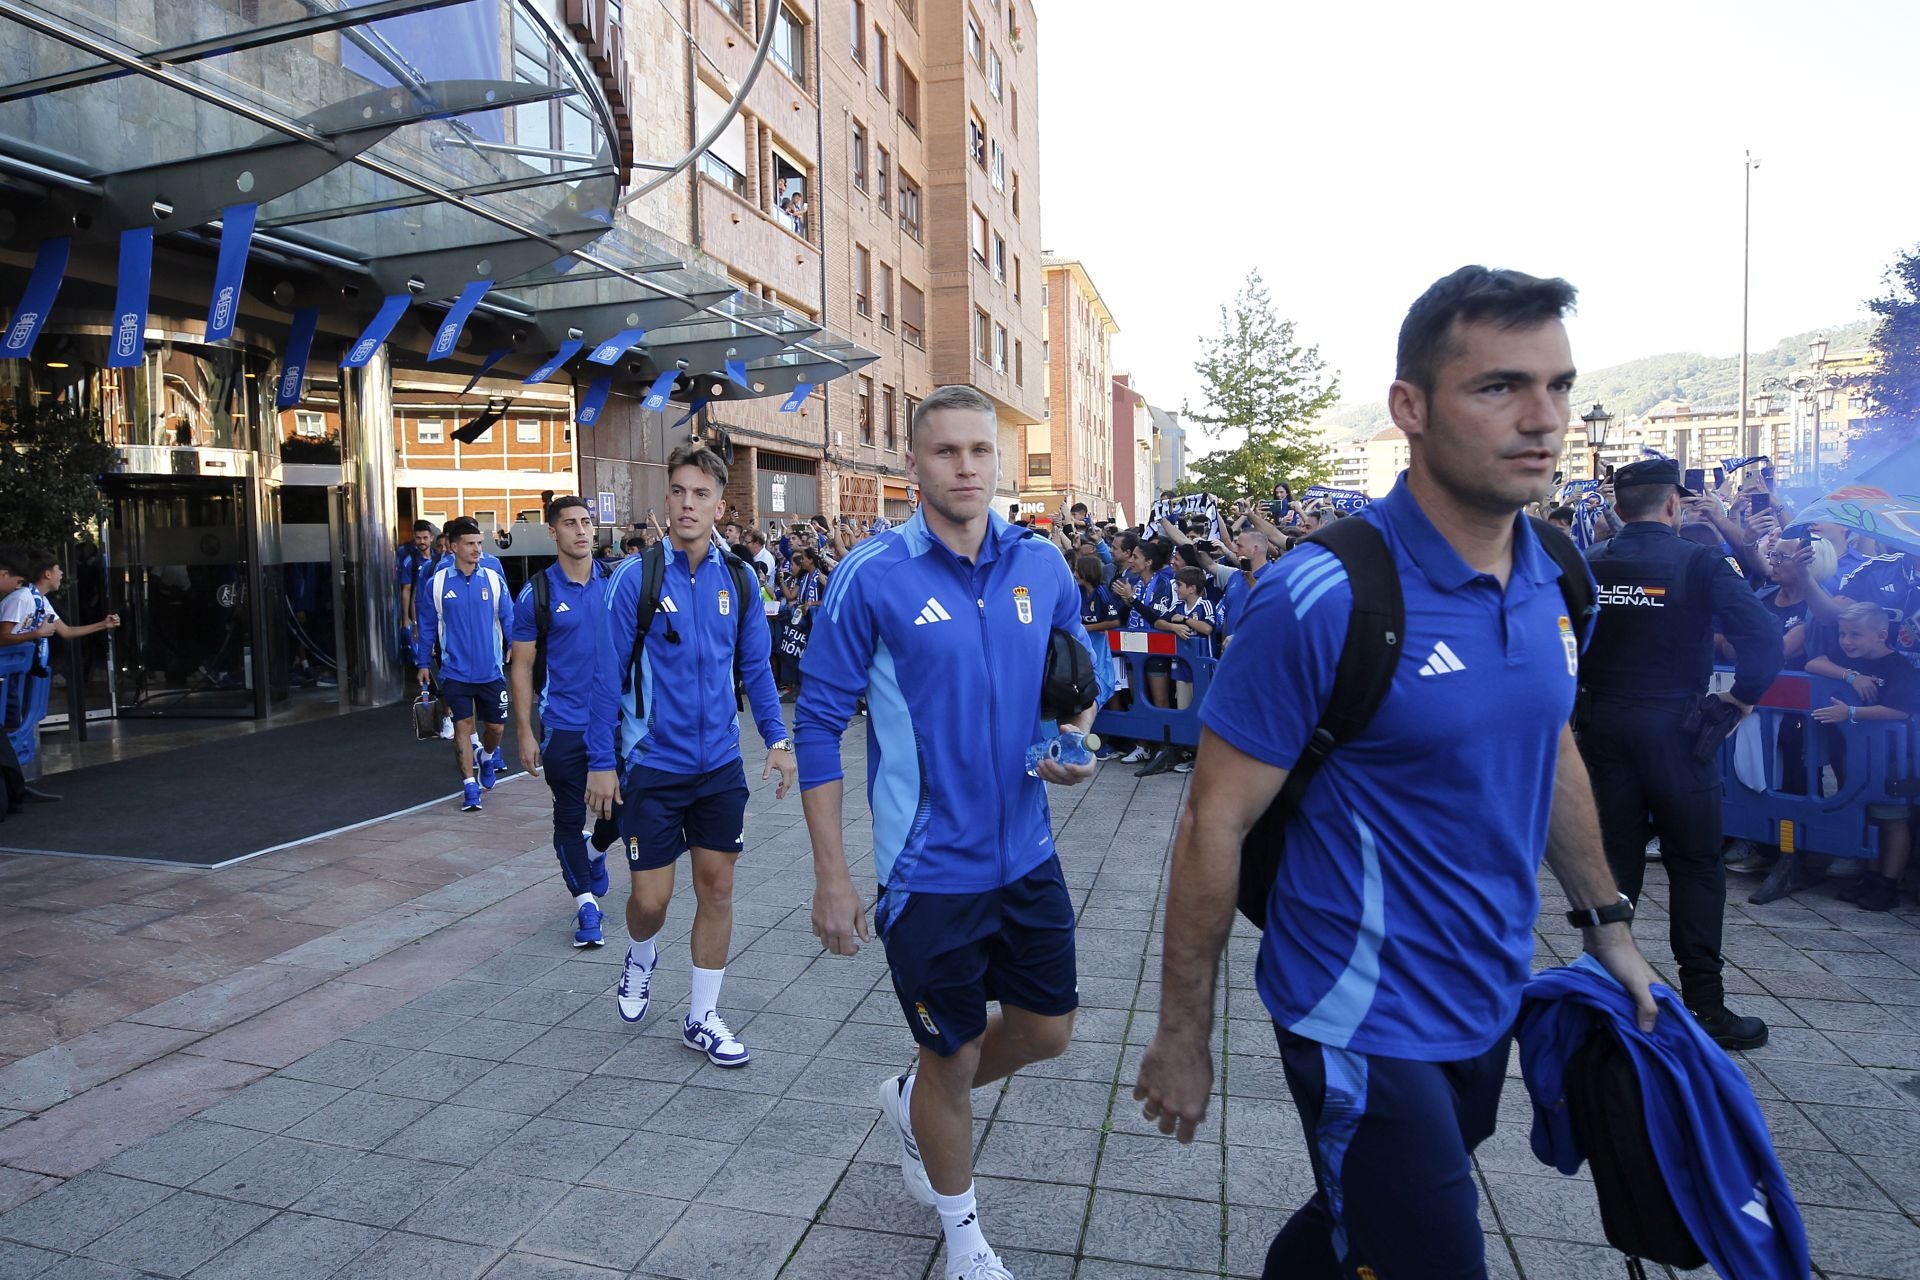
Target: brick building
<point>1069,457</point>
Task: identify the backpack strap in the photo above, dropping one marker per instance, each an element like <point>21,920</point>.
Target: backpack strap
<point>542,598</point>
<point>746,590</point>
<point>1576,582</point>
<point>653,577</point>
<point>1368,660</point>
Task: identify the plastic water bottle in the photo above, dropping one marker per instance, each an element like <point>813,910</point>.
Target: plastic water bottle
<point>1068,746</point>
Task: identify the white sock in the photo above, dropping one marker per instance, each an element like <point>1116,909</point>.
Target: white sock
<point>583,899</point>
<point>961,1222</point>
<point>643,953</point>
<point>705,985</point>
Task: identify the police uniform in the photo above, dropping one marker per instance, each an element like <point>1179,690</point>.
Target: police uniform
<point>1643,680</point>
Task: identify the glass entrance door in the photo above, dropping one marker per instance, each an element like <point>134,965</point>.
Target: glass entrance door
<point>181,574</point>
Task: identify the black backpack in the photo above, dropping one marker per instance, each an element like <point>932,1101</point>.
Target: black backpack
<point>542,617</point>
<point>1609,1118</point>
<point>1368,658</point>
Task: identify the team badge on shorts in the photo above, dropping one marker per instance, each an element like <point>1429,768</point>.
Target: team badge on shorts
<point>1571,645</point>
<point>1023,604</point>
<point>926,1019</point>
<point>726,604</point>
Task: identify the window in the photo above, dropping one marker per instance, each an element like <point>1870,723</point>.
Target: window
<point>1015,194</point>
<point>980,235</point>
<point>862,280</point>
<point>1013,22</point>
<point>857,35</point>
<point>1043,296</point>
<point>789,193</point>
<point>310,424</point>
<point>1016,279</point>
<point>913,314</point>
<point>1013,109</point>
<point>732,8</point>
<point>910,206</point>
<point>859,155</point>
<point>790,43</point>
<point>912,9</point>
<point>883,177</point>
<point>999,348</point>
<point>1039,464</point>
<point>1019,364</point>
<point>432,431</point>
<point>993,73</point>
<point>890,436</point>
<point>1046,351</point>
<point>982,336</point>
<point>880,61</point>
<point>998,169</point>
<point>909,94</point>
<point>726,161</point>
<point>974,42</point>
<point>723,173</point>
<point>886,297</point>
<point>999,257</point>
<point>912,406</point>
<point>977,140</point>
<point>866,409</point>
<point>527,431</point>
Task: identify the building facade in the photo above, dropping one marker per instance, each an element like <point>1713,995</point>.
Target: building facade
<point>1132,450</point>
<point>1069,457</point>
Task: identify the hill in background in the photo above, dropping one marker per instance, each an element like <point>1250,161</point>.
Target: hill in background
<point>1634,387</point>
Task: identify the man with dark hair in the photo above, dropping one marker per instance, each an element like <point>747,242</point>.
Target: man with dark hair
<point>1561,518</point>
<point>663,740</point>
<point>466,610</point>
<point>412,561</point>
<point>1646,728</point>
<point>1400,925</point>
<point>555,637</point>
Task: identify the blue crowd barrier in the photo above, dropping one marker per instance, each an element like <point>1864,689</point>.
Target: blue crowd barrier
<point>1165,726</point>
<point>1872,762</point>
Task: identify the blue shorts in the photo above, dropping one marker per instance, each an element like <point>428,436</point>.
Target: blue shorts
<point>952,952</point>
<point>485,702</point>
<point>664,814</point>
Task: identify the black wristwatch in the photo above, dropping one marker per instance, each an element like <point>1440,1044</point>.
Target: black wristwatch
<point>1593,917</point>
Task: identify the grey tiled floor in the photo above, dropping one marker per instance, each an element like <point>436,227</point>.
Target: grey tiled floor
<point>505,1124</point>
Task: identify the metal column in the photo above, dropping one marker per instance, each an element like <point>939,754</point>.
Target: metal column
<point>366,588</point>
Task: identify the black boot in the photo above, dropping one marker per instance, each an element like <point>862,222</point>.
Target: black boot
<point>1162,762</point>
<point>1880,893</point>
<point>1730,1031</point>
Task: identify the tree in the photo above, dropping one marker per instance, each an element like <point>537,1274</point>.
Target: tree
<point>1263,385</point>
<point>1894,384</point>
<point>51,456</point>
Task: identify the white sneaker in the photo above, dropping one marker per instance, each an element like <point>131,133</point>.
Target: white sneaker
<point>714,1038</point>
<point>980,1266</point>
<point>1135,756</point>
<point>634,992</point>
<point>912,1171</point>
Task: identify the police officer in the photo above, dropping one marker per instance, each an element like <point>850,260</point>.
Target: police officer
<point>1649,735</point>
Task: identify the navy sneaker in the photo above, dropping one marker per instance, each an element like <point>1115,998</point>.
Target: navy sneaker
<point>635,989</point>
<point>470,797</point>
<point>713,1037</point>
<point>598,888</point>
<point>500,759</point>
<point>586,931</point>
<point>486,773</point>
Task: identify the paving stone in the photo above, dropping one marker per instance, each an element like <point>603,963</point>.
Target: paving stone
<point>1560,1260</point>
<point>1072,1104</point>
<point>485,1038</point>
<point>608,1228</point>
<point>538,1006</point>
<point>1831,1179</point>
<point>774,1181</point>
<point>788,1034</point>
<point>1549,1207</point>
<point>17,1186</point>
<point>22,1262</point>
<point>1158,1165</point>
<point>1856,1242</point>
<point>612,1100</point>
<point>1833,1083</point>
<point>290,1245</point>
<point>514,1087</point>
<point>418,1258</point>
<point>714,1115</point>
<point>455,1134</point>
<point>836,1253</point>
<point>79,1211</point>
<point>346,1063</point>
<point>644,1162</point>
<point>377,1189</point>
<point>276,1172</point>
<point>185,1153</point>
<point>756,1245</point>
<point>571,1048</point>
<point>652,1059</point>
<point>273,1104</point>
<point>873,1193</point>
<point>90,1269</point>
<point>814,1128</point>
<point>530,1266</point>
<point>485,1207</point>
<point>564,1150</point>
<point>426,1075</point>
<point>408,1028</point>
<point>1046,1153</point>
<point>846,1083</point>
<point>1143,1228</point>
<point>361,1119</point>
<point>177,1234</point>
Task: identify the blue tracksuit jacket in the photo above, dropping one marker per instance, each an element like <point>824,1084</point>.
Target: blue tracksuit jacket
<point>691,725</point>
<point>1707,1130</point>
<point>466,615</point>
<point>949,655</point>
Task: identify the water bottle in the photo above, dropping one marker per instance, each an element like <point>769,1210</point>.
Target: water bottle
<point>1069,747</point>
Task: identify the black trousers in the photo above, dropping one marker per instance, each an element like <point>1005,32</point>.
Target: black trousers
<point>1646,778</point>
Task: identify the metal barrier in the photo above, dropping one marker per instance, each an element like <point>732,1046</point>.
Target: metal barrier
<point>1167,726</point>
<point>1791,754</point>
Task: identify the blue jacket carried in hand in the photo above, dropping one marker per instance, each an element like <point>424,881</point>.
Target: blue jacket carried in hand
<point>1707,1131</point>
<point>467,614</point>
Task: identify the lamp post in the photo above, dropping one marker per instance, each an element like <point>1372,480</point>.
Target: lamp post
<point>1817,356</point>
<point>1813,392</point>
<point>1596,420</point>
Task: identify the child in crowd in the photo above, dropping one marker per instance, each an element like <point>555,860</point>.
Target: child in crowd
<point>1885,687</point>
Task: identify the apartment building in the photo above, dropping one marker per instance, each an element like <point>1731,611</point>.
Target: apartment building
<point>1070,456</point>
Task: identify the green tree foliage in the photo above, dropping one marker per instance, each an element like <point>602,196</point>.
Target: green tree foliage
<point>1895,384</point>
<point>1265,387</point>
<point>50,456</point>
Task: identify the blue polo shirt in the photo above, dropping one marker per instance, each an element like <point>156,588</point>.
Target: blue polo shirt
<point>1233,603</point>
<point>573,613</point>
<point>1401,921</point>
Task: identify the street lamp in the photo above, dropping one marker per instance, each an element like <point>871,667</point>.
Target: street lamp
<point>1596,420</point>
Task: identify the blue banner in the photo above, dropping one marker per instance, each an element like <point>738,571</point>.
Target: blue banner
<point>594,401</point>
<point>687,417</point>
<point>616,346</point>
<point>493,358</point>
<point>799,397</point>
<point>657,394</point>
<point>236,234</point>
<point>293,364</point>
<point>49,269</point>
<point>558,358</point>
<point>1348,500</point>
<point>737,373</point>
<point>369,342</point>
<point>447,336</point>
<point>126,348</point>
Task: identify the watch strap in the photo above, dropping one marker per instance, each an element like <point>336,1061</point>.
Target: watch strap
<point>1617,912</point>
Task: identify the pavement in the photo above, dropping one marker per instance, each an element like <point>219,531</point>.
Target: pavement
<point>378,1055</point>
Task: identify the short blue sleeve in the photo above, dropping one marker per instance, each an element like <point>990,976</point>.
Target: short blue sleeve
<point>1275,678</point>
<point>524,630</point>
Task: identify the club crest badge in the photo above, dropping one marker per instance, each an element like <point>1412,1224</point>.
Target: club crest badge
<point>726,604</point>
<point>1571,644</point>
<point>926,1019</point>
<point>1023,604</point>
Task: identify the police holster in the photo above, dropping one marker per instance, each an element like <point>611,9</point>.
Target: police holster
<point>1707,724</point>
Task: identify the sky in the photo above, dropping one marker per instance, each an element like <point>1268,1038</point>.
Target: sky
<point>1355,152</point>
